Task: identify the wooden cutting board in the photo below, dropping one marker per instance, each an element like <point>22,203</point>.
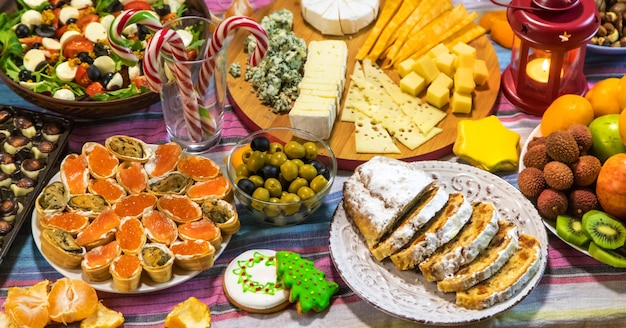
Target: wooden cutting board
<point>258,116</point>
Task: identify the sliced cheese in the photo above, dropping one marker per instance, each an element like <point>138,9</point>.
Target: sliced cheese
<point>371,137</point>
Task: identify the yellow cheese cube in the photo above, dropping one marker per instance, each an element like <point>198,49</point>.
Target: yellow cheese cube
<point>461,103</point>
<point>481,72</point>
<point>437,50</point>
<point>464,80</point>
<point>443,80</point>
<point>426,68</point>
<point>412,84</point>
<point>446,63</point>
<point>406,67</point>
<point>437,95</point>
<point>465,53</point>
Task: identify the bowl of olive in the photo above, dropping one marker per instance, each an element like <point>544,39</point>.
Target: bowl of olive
<point>281,175</point>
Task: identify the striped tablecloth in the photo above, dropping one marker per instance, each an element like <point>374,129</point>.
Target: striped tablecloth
<point>576,291</point>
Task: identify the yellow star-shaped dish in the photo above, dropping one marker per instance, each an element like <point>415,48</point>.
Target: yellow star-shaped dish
<point>487,144</point>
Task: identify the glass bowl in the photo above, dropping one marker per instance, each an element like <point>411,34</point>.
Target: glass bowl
<point>281,213</point>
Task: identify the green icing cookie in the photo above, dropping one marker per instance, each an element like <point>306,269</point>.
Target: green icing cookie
<point>307,283</point>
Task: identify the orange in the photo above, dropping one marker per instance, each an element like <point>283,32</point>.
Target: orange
<point>132,176</point>
<point>71,300</point>
<point>564,111</point>
<point>190,313</point>
<point>28,306</point>
<point>621,95</point>
<point>101,162</point>
<point>134,205</point>
<point>74,173</point>
<point>198,168</point>
<point>622,126</point>
<point>165,158</point>
<point>99,227</point>
<point>236,158</point>
<point>487,20</point>
<point>107,188</point>
<point>502,33</point>
<point>603,97</point>
<point>103,318</point>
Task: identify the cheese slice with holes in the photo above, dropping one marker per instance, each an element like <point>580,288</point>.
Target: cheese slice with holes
<point>371,137</point>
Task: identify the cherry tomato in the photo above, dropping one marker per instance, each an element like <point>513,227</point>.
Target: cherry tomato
<point>85,20</point>
<point>30,41</point>
<point>168,17</point>
<point>141,81</point>
<point>60,31</point>
<point>94,89</point>
<point>75,45</point>
<point>140,5</point>
<point>81,76</point>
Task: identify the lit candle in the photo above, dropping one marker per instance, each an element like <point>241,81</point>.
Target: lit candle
<point>538,69</point>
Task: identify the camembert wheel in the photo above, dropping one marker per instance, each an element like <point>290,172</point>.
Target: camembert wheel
<point>339,17</point>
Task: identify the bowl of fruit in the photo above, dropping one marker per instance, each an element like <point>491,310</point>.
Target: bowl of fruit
<point>281,175</point>
<point>55,54</point>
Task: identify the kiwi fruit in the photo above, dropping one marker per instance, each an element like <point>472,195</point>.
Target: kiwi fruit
<point>571,230</point>
<point>603,229</point>
<point>615,258</point>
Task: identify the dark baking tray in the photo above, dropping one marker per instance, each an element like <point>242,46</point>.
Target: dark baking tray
<point>51,166</point>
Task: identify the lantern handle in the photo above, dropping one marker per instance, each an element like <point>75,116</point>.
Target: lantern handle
<point>541,5</point>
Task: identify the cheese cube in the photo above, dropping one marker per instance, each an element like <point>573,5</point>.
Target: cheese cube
<point>481,72</point>
<point>426,68</point>
<point>406,67</point>
<point>465,53</point>
<point>444,80</point>
<point>461,103</point>
<point>446,63</point>
<point>464,80</point>
<point>437,95</point>
<point>412,84</point>
<point>437,50</point>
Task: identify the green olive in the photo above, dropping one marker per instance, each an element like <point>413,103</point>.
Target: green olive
<point>297,184</point>
<point>318,183</point>
<point>246,155</point>
<point>242,171</point>
<point>294,149</point>
<point>261,194</point>
<point>292,203</point>
<point>257,180</point>
<point>289,170</point>
<point>307,171</point>
<point>310,150</point>
<point>274,187</point>
<point>277,159</point>
<point>275,147</point>
<point>305,193</point>
<point>298,162</point>
<point>256,161</point>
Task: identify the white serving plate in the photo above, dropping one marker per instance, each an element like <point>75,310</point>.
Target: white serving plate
<point>407,294</point>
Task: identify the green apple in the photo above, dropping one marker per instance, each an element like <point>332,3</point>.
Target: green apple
<point>606,137</point>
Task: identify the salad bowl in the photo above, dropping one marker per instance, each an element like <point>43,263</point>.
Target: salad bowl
<point>85,107</point>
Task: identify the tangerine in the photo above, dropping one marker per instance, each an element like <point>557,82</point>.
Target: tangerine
<point>132,176</point>
<point>164,160</point>
<point>68,221</point>
<point>28,306</point>
<point>103,317</point>
<point>190,313</point>
<point>179,208</point>
<point>564,111</point>
<point>99,228</point>
<point>134,205</point>
<point>131,235</point>
<point>74,173</point>
<point>236,158</point>
<point>621,95</point>
<point>101,162</point>
<point>198,168</point>
<point>160,228</point>
<point>218,187</point>
<point>71,300</point>
<point>107,188</point>
<point>603,97</point>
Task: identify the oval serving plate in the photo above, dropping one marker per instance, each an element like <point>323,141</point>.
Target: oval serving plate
<point>407,294</point>
<point>147,285</point>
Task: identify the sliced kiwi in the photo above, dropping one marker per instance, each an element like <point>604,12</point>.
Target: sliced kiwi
<point>615,258</point>
<point>570,229</point>
<point>604,230</point>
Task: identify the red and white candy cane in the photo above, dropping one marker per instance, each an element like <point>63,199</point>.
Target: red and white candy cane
<point>219,37</point>
<point>118,43</point>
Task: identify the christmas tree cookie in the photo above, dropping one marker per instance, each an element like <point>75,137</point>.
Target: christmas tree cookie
<point>308,285</point>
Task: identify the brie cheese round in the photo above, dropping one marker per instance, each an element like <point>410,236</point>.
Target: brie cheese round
<point>339,17</point>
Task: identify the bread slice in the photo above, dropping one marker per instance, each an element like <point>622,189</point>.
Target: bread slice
<point>500,249</point>
<point>380,192</point>
<point>418,216</point>
<point>441,229</point>
<point>471,240</point>
<point>513,276</point>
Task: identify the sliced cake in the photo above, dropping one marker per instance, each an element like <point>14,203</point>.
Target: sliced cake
<point>500,249</point>
<point>442,228</point>
<point>512,277</point>
<point>418,216</point>
<point>380,192</point>
<point>471,240</point>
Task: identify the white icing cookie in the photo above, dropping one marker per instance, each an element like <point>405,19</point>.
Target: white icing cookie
<point>250,282</point>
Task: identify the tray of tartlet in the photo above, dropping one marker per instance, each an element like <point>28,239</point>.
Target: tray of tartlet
<point>30,145</point>
<point>130,217</point>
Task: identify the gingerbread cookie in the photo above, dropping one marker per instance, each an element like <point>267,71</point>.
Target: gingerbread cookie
<point>250,282</point>
<point>307,284</point>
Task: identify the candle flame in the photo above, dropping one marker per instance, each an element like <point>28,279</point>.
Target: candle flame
<point>545,66</point>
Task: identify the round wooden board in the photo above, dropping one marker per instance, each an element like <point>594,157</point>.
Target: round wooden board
<point>258,116</point>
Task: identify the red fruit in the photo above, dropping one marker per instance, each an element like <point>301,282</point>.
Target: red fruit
<point>611,186</point>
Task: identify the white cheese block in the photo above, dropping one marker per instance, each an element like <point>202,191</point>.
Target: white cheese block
<point>317,103</point>
<point>339,17</point>
<point>317,122</point>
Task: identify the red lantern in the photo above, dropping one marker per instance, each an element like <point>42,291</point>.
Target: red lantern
<point>549,51</point>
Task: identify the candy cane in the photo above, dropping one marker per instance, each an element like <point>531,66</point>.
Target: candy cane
<point>118,43</point>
